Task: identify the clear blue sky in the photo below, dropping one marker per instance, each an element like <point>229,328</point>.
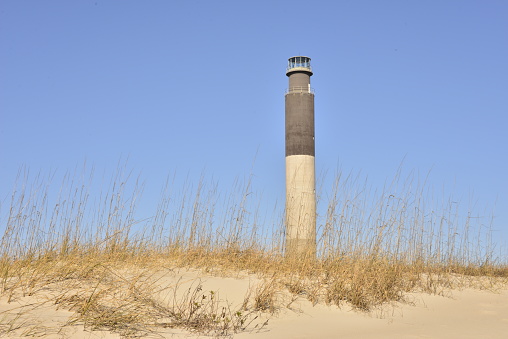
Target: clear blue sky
<point>192,86</point>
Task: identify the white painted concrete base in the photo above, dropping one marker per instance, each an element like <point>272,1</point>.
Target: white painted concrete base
<point>300,205</point>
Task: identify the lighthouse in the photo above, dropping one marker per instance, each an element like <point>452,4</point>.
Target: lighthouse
<point>300,164</point>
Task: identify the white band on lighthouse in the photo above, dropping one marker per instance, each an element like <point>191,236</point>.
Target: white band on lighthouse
<point>300,205</point>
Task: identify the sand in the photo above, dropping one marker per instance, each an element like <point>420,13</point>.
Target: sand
<point>468,314</point>
<point>461,314</point>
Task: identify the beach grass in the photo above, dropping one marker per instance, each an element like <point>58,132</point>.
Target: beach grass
<point>90,253</point>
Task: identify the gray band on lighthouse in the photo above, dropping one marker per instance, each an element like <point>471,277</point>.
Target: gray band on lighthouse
<point>300,124</point>
<point>298,79</point>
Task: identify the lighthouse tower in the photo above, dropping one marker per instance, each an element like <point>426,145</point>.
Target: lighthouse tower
<point>300,165</point>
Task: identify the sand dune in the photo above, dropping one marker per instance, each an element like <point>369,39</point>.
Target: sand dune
<point>461,314</point>
<point>467,314</point>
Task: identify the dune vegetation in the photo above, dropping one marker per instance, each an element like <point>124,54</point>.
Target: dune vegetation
<point>88,252</point>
